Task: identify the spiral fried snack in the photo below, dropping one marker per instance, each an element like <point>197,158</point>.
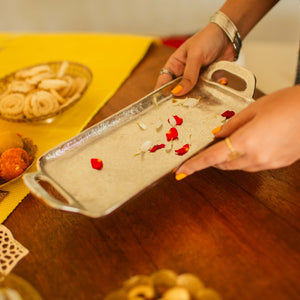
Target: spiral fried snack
<point>13,162</point>
<point>21,86</point>
<point>39,77</point>
<point>32,71</point>
<point>55,84</point>
<point>41,103</point>
<point>12,105</point>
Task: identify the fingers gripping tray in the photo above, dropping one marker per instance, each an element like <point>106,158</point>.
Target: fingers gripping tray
<point>135,144</point>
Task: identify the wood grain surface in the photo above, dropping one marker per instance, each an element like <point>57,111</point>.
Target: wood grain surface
<point>239,232</point>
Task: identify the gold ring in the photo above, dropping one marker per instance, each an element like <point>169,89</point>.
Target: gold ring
<point>166,71</point>
<point>234,154</point>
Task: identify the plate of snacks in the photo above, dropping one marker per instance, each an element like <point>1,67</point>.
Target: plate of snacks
<point>164,284</point>
<point>43,91</point>
<point>17,154</point>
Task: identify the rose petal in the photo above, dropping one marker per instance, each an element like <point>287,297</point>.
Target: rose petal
<point>96,163</point>
<point>175,120</point>
<point>172,121</point>
<point>172,134</point>
<point>142,125</point>
<point>159,124</point>
<point>146,146</point>
<point>156,147</point>
<point>190,102</point>
<point>183,150</point>
<point>228,114</point>
<point>178,120</point>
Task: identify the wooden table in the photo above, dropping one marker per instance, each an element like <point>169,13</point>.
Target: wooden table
<point>239,232</point>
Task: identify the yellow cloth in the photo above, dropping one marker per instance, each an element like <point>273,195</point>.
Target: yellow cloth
<point>111,59</point>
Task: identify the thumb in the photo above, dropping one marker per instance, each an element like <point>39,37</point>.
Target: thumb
<point>189,78</point>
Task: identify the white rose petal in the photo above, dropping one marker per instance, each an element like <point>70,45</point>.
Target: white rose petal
<point>172,121</point>
<point>146,146</point>
<point>159,124</point>
<point>142,125</point>
<point>190,102</point>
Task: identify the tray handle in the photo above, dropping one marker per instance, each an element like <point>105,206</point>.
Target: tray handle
<point>234,69</point>
<point>31,181</point>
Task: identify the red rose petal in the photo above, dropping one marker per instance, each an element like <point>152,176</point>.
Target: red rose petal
<point>96,163</point>
<point>172,134</point>
<point>183,150</point>
<point>228,114</point>
<point>156,147</point>
<point>177,119</point>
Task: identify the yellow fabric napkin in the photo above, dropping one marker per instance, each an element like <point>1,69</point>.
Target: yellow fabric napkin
<point>111,59</point>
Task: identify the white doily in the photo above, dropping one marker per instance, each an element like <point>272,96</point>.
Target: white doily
<point>11,251</point>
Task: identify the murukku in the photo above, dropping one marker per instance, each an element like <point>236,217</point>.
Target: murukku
<point>32,71</point>
<point>55,84</point>
<point>39,77</point>
<point>21,86</point>
<point>16,117</point>
<point>43,103</point>
<point>28,110</point>
<point>70,87</point>
<point>5,93</point>
<point>12,104</point>
<point>60,99</point>
<point>63,68</point>
<point>73,88</point>
<point>77,85</point>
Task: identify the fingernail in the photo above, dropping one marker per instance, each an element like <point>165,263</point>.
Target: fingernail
<point>223,81</point>
<point>180,176</point>
<point>177,89</point>
<point>216,130</point>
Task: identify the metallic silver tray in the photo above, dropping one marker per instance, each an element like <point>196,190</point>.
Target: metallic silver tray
<point>89,192</point>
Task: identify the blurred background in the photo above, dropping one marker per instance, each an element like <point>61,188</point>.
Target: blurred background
<point>269,51</point>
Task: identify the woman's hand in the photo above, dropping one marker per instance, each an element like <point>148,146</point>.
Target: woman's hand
<point>209,45</point>
<point>266,134</point>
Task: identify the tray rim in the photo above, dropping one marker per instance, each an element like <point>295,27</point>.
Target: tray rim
<point>77,207</point>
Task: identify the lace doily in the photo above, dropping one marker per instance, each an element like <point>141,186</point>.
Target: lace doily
<point>11,251</point>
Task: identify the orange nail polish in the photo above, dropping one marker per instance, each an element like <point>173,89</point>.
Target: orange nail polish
<point>180,176</point>
<point>216,130</point>
<point>223,80</point>
<point>177,89</point>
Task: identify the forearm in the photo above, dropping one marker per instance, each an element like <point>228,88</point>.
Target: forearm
<point>245,14</point>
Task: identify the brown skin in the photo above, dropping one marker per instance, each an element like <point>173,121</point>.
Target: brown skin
<point>266,132</point>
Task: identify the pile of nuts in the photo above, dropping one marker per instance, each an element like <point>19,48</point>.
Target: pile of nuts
<point>164,284</point>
